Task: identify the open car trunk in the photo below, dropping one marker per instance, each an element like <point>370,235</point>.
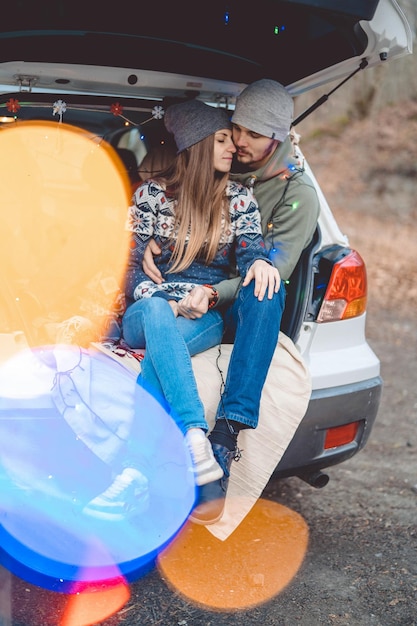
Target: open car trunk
<point>209,48</point>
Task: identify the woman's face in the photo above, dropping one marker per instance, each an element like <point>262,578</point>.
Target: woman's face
<point>224,149</point>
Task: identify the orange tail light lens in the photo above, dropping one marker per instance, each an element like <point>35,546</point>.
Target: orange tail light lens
<point>341,435</point>
<point>346,293</point>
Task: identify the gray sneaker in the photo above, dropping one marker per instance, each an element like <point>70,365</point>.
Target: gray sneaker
<point>127,496</point>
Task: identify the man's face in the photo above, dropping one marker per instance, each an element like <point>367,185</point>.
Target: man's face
<point>253,149</point>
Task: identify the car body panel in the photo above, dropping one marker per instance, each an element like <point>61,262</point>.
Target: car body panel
<point>337,353</point>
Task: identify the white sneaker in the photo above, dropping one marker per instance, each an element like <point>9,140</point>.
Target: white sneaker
<point>127,496</point>
<point>205,467</point>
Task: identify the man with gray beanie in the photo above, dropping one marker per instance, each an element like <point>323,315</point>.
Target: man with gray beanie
<point>265,163</point>
<point>289,208</point>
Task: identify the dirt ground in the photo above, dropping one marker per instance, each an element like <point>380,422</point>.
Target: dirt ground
<point>360,566</point>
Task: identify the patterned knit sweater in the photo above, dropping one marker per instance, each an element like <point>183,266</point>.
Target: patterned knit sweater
<point>153,215</point>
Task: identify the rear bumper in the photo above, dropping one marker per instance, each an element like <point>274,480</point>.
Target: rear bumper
<point>329,408</point>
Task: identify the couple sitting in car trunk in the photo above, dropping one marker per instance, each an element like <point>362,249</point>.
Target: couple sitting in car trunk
<point>207,264</point>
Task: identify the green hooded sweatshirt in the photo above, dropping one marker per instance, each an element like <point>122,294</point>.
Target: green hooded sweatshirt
<point>289,208</point>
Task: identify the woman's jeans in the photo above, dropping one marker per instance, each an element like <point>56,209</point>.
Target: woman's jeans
<point>170,342</point>
<point>255,326</point>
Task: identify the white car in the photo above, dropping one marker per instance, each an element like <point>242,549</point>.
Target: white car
<point>143,57</point>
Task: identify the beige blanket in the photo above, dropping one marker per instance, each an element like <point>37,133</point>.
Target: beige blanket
<point>284,402</point>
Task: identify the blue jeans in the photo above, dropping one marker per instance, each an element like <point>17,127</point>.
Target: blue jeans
<point>170,342</point>
<point>255,326</point>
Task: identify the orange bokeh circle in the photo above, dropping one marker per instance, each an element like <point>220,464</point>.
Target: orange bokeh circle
<point>63,246</point>
<point>253,565</point>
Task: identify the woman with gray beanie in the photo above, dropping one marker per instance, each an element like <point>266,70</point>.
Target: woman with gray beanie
<point>203,224</point>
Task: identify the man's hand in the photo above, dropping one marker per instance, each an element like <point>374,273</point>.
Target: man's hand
<point>195,304</point>
<point>174,306</point>
<point>266,277</point>
<point>148,265</point>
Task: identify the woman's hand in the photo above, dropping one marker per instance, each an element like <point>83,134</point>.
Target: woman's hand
<point>195,304</point>
<point>266,277</point>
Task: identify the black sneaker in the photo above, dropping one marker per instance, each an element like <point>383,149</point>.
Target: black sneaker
<point>211,497</point>
<point>127,496</point>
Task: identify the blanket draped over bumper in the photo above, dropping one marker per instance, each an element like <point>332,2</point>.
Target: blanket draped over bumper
<point>285,399</point>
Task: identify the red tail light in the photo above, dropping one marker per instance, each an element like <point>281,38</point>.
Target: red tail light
<point>346,292</point>
<point>341,435</point>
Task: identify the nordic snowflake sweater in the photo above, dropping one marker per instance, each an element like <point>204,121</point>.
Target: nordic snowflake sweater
<point>153,215</point>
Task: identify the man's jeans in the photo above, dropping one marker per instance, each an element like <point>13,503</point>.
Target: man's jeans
<point>256,325</point>
<point>170,342</point>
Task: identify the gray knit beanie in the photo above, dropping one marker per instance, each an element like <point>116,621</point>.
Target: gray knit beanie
<point>193,121</point>
<point>265,107</point>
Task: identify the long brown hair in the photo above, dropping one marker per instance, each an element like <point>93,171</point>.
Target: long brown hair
<point>201,204</point>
